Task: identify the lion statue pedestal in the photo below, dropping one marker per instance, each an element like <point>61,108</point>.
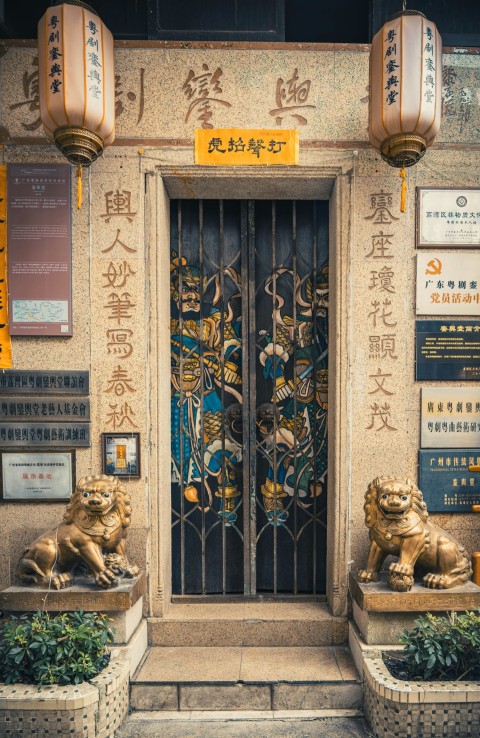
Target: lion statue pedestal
<point>92,536</point>
<point>397,518</point>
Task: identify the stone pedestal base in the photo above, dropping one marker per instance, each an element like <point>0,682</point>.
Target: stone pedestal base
<point>381,615</point>
<point>123,603</point>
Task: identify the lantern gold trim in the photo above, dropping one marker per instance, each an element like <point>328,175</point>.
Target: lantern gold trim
<point>403,149</point>
<point>405,12</point>
<point>78,145</point>
<point>80,4</point>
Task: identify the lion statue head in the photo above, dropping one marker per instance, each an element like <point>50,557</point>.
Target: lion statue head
<point>99,495</point>
<point>392,498</point>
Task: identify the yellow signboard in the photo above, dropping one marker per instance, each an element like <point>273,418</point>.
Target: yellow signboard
<point>5,341</point>
<point>232,147</point>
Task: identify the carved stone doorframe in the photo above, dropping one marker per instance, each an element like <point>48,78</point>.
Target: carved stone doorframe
<point>330,180</point>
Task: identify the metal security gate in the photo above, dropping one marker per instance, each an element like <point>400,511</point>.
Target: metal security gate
<point>249,315</point>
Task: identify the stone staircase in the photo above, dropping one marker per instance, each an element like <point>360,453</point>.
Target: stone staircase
<point>265,657</point>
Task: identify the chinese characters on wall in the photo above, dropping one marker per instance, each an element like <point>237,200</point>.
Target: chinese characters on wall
<point>380,317</point>
<point>120,310</point>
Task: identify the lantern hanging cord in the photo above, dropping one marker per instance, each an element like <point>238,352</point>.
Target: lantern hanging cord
<point>79,186</point>
<point>403,199</point>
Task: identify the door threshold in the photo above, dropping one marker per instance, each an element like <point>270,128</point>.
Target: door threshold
<point>192,599</point>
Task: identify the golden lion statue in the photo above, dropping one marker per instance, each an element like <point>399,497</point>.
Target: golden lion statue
<point>398,521</point>
<point>93,535</point>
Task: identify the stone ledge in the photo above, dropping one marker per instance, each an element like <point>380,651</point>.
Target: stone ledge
<point>62,697</point>
<point>378,597</point>
<point>83,595</point>
<point>397,690</point>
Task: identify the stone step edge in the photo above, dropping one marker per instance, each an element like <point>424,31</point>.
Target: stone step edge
<point>235,715</point>
<point>257,682</point>
<point>197,618</point>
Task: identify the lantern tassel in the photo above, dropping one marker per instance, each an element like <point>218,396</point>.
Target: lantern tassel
<point>79,186</point>
<point>403,199</point>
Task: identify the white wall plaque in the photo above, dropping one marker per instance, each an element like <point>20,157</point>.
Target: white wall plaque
<point>448,283</point>
<point>448,217</point>
<point>450,417</point>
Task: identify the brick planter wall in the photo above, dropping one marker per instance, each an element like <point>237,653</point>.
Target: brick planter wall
<point>401,709</point>
<point>93,709</point>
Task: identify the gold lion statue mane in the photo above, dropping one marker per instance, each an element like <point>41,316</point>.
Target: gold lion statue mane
<point>93,535</point>
<point>398,523</point>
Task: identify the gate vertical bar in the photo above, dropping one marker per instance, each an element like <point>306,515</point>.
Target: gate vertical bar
<point>246,440</point>
<point>202,394</point>
<point>252,398</point>
<point>275,422</point>
<point>222,389</point>
<point>182,429</point>
<point>296,285</point>
<point>314,360</point>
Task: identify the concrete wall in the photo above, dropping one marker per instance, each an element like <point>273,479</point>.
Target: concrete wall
<point>159,105</point>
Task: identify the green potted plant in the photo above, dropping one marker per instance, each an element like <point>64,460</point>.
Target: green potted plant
<point>430,688</point>
<point>56,673</point>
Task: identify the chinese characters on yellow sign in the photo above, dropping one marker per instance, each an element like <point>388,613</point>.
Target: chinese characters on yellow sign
<point>5,342</point>
<point>246,147</point>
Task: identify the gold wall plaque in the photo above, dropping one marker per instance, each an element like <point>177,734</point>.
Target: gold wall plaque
<point>233,147</point>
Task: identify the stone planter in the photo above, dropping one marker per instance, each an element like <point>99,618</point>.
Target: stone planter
<point>401,709</point>
<point>93,709</point>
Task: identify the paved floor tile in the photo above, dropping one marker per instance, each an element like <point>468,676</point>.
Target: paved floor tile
<point>289,665</point>
<point>165,664</point>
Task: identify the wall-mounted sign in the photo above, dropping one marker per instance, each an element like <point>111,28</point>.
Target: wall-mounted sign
<point>450,417</point>
<point>62,435</point>
<point>44,409</point>
<point>447,350</point>
<point>37,475</point>
<point>448,217</point>
<point>39,250</point>
<point>234,147</point>
<point>24,381</point>
<point>445,481</point>
<point>448,284</point>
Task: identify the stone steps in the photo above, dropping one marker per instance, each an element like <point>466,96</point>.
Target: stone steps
<point>218,678</point>
<point>238,724</point>
<point>280,624</point>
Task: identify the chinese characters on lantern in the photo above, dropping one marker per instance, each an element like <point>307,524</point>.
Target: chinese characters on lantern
<point>429,54</point>
<point>391,65</point>
<point>55,54</point>
<point>93,56</point>
<point>382,349</point>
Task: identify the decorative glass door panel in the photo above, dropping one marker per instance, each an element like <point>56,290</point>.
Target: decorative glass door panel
<point>249,347</point>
